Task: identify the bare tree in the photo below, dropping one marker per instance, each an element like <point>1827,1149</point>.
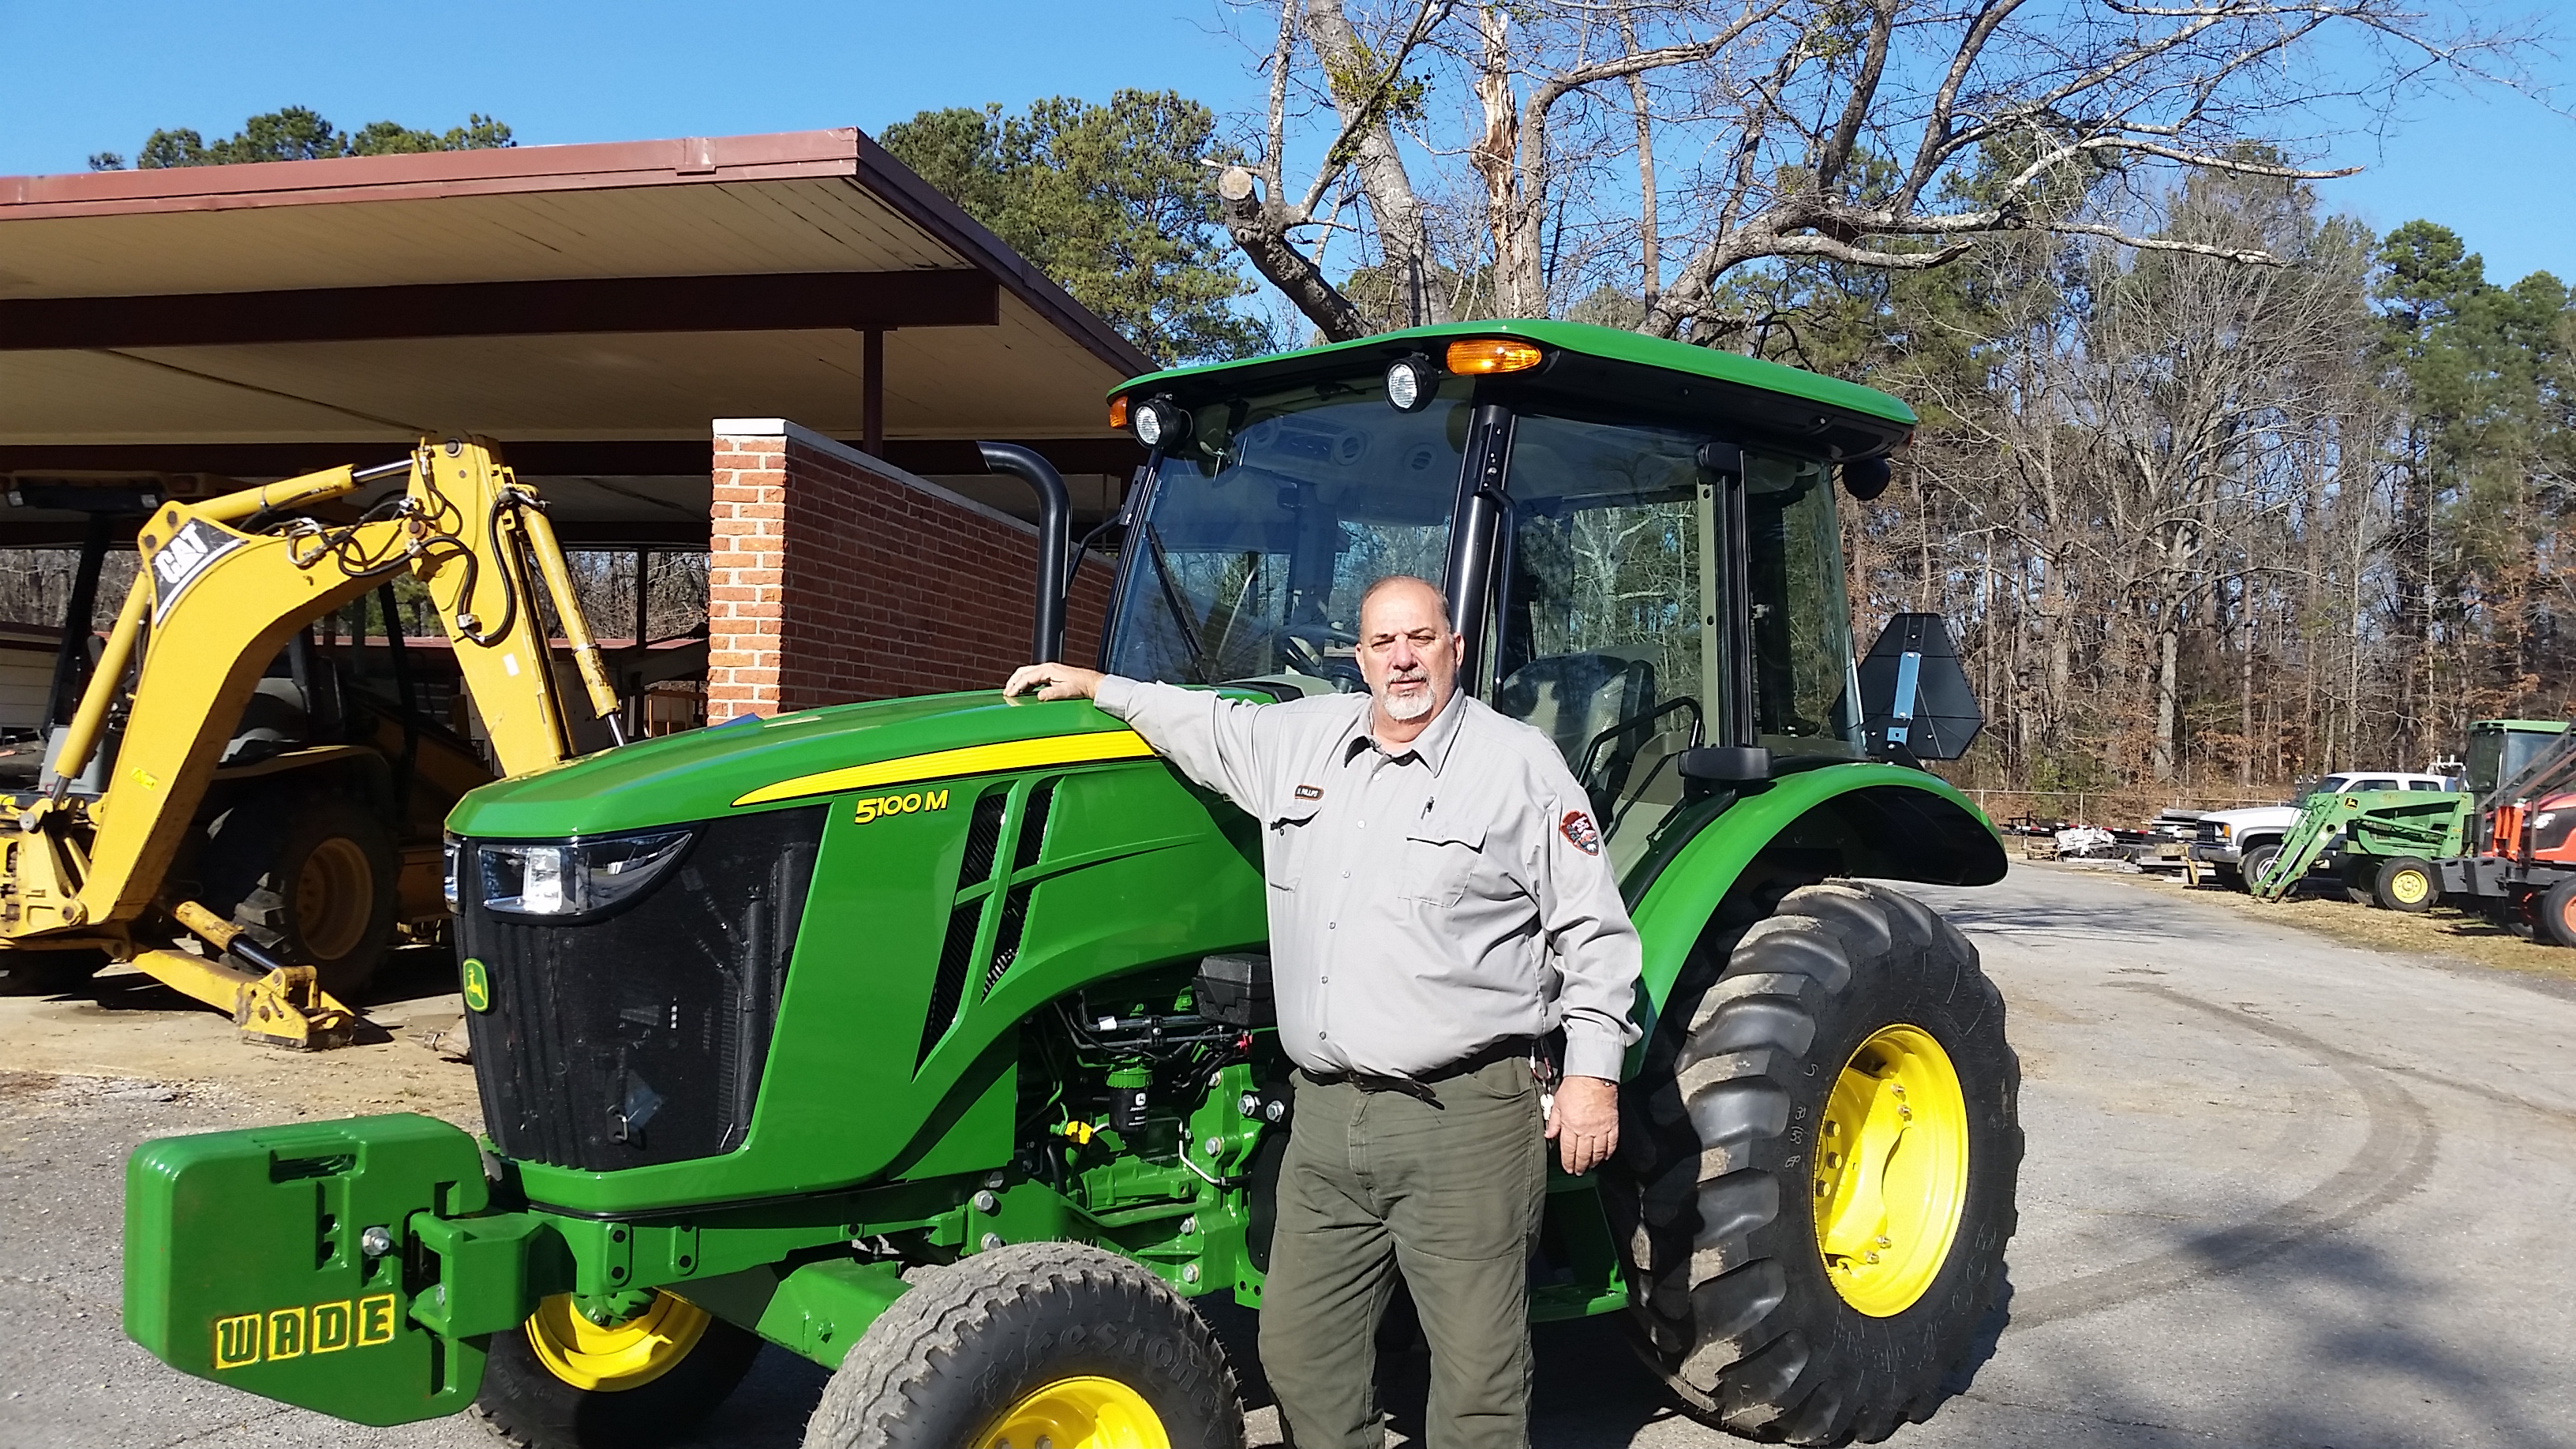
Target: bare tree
<point>1877,133</point>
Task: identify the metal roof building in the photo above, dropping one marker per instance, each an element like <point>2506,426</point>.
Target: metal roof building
<point>593,307</point>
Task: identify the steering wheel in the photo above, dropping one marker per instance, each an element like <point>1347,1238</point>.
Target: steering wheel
<point>1303,646</point>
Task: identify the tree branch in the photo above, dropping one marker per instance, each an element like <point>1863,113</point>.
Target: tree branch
<point>1261,231</point>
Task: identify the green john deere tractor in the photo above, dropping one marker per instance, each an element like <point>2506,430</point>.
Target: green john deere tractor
<point>930,1038</point>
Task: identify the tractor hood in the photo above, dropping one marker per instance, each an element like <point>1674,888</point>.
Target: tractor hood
<point>755,762</point>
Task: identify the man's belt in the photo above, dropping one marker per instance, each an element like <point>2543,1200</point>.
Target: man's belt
<point>1418,1085</point>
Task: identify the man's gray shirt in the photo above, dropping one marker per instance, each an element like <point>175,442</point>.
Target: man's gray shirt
<point>1425,903</point>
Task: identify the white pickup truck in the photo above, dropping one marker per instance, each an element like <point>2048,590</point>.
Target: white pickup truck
<point>2237,844</point>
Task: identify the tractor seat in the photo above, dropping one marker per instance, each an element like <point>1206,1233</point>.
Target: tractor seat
<point>272,723</point>
<point>1573,698</point>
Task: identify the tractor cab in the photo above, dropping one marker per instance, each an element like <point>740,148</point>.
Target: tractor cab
<point>1638,537</point>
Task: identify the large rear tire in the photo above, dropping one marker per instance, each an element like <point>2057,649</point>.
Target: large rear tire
<point>560,1381</point>
<point>1816,1184</point>
<point>313,875</point>
<point>1028,1344</point>
<point>2554,913</point>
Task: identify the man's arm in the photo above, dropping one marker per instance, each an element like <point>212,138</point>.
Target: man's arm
<point>1598,961</point>
<point>1213,740</point>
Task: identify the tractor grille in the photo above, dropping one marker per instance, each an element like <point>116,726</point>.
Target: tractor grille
<point>640,1037</point>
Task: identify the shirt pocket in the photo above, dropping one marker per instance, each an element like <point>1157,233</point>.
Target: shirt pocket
<point>1438,861</point>
<point>1283,839</point>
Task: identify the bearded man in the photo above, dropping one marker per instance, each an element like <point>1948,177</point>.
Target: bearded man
<point>1439,908</point>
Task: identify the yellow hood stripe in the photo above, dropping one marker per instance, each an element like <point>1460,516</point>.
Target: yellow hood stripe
<point>973,760</point>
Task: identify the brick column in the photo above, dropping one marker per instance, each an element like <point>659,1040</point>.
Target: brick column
<point>835,576</point>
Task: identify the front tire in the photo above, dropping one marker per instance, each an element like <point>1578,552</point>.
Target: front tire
<point>2255,862</point>
<point>1031,1343</point>
<point>2406,884</point>
<point>562,1382</point>
<point>1817,1186</point>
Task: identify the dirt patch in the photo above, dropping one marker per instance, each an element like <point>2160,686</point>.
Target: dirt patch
<point>123,1032</point>
<point>2441,931</point>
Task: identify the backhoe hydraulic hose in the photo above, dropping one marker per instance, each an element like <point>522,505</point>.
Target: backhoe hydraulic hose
<point>576,627</point>
<point>1055,538</point>
<point>486,638</point>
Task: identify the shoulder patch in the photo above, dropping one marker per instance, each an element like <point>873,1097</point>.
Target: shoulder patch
<point>1580,831</point>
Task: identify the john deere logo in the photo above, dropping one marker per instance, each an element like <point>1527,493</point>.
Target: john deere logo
<point>478,986</point>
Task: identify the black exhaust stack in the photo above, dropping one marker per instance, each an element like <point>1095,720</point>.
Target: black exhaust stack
<point>1055,539</point>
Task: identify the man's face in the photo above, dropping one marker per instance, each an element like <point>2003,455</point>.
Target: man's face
<point>1407,653</point>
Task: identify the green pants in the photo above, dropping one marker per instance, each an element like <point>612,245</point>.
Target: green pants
<point>1377,1180</point>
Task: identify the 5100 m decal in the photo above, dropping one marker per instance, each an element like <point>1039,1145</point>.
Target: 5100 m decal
<point>248,1338</point>
<point>879,806</point>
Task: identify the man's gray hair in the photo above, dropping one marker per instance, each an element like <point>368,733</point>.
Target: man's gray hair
<point>1448,620</point>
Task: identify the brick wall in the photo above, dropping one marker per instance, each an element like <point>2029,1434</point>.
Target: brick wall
<point>836,577</point>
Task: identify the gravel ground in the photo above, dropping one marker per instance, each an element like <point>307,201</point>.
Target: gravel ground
<point>2281,1191</point>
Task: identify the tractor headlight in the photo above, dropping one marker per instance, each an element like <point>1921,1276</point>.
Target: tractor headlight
<point>447,884</point>
<point>574,877</point>
<point>1159,423</point>
<point>1410,383</point>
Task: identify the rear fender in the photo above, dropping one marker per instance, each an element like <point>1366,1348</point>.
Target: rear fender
<point>1880,821</point>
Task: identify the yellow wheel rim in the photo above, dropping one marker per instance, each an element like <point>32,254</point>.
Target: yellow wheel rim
<point>2409,887</point>
<point>1891,1170</point>
<point>1078,1413</point>
<point>619,1356</point>
<point>335,893</point>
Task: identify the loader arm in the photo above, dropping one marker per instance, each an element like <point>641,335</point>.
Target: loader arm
<point>215,602</point>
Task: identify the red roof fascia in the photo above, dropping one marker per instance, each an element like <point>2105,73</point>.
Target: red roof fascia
<point>508,170</point>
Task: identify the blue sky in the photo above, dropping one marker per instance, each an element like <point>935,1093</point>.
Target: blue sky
<point>101,75</point>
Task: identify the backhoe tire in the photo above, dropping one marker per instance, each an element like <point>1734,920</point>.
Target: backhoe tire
<point>2407,884</point>
<point>1755,1141</point>
<point>1031,1343</point>
<point>2554,913</point>
<point>558,1384</point>
<point>312,874</point>
<point>2255,862</point>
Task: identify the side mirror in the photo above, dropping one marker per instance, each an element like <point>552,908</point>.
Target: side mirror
<point>1915,699</point>
<point>1867,478</point>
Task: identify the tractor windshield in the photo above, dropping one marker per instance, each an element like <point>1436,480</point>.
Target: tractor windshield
<point>1271,518</point>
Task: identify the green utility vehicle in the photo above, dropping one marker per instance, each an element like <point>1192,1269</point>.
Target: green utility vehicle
<point>930,1038</point>
<point>2388,846</point>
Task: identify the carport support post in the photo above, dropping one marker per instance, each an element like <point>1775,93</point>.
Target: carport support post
<point>872,392</point>
<point>635,694</point>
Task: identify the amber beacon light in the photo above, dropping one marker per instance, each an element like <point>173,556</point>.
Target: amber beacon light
<point>1118,411</point>
<point>1492,354</point>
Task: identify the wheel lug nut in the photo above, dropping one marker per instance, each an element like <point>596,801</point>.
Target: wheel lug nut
<point>1873,1257</point>
<point>1884,1243</point>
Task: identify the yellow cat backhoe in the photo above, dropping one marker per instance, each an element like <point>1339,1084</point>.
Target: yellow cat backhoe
<point>220,809</point>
